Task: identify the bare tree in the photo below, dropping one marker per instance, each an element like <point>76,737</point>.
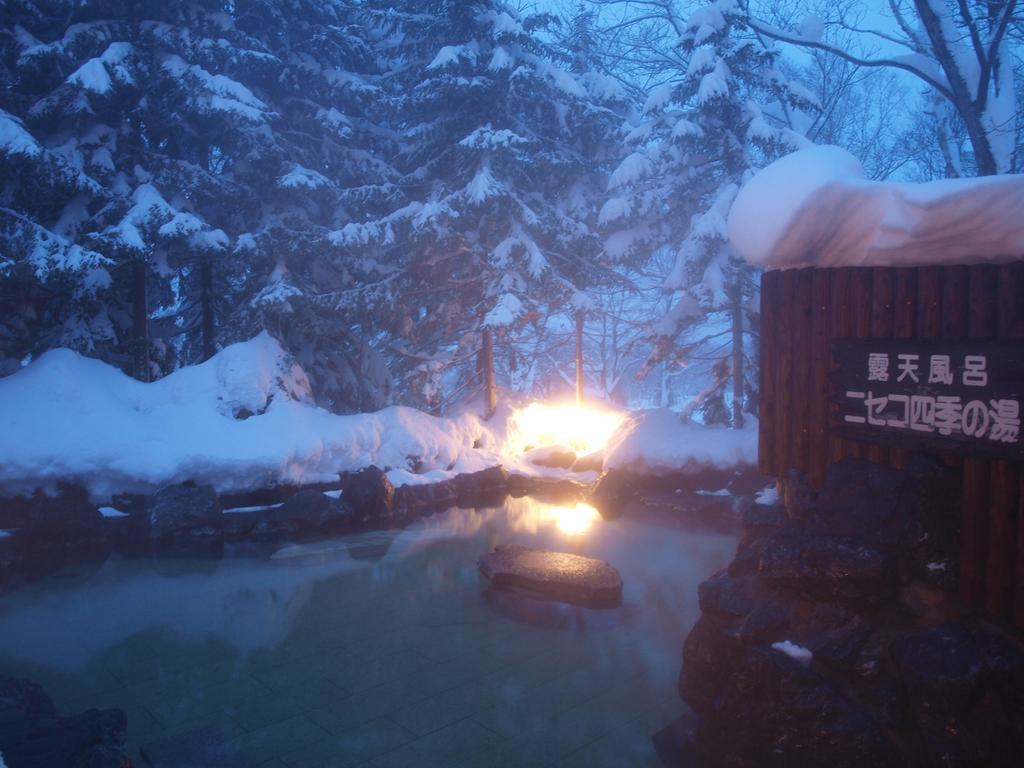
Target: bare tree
<point>960,49</point>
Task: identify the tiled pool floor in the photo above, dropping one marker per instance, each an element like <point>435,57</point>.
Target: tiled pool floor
<point>381,649</point>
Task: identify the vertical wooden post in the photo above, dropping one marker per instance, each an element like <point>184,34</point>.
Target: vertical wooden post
<point>1010,325</point>
<point>820,362</point>
<point>487,366</point>
<point>881,327</point>
<point>801,403</point>
<point>904,323</point>
<point>1004,501</point>
<point>860,320</point>
<point>784,372</point>
<point>738,382</point>
<point>1018,565</point>
<point>769,362</point>
<point>979,307</point>
<point>140,321</point>
<point>579,358</point>
<point>840,327</point>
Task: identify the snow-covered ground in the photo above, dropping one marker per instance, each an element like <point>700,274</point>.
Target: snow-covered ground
<point>245,419</point>
<point>815,208</point>
<point>658,442</point>
<point>70,418</point>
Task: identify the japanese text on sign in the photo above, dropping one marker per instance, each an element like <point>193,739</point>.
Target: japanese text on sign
<point>955,391</point>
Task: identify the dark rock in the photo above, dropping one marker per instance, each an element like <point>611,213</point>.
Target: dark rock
<point>553,575</point>
<point>765,622</point>
<point>760,518</point>
<point>53,520</point>
<point>709,657</point>
<point>369,492</point>
<point>484,488</point>
<point>772,711</point>
<point>275,494</point>
<point>748,556</point>
<point>913,512</point>
<point>965,683</point>
<point>552,456</point>
<point>829,568</point>
<point>314,510</point>
<point>305,512</point>
<point>746,481</point>
<point>726,596</point>
<point>431,496</point>
<point>184,510</point>
<point>841,653</point>
<point>33,736</point>
<point>796,494</point>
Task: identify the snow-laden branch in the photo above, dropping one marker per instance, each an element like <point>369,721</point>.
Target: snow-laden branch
<point>901,62</point>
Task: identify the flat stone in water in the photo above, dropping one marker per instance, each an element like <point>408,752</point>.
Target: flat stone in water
<point>553,575</point>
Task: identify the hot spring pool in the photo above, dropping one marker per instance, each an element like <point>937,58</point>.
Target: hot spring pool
<point>378,649</point>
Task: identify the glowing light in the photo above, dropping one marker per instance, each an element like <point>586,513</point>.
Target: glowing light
<point>583,428</point>
<point>575,521</point>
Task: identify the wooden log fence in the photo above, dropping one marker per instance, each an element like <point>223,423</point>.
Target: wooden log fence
<point>804,311</point>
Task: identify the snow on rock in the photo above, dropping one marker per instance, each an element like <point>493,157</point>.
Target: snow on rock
<point>815,208</point>
<point>242,420</point>
<point>659,442</point>
<point>794,651</point>
<point>767,496</point>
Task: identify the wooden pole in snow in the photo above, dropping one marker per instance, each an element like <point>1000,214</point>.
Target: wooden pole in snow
<point>487,364</point>
<point>579,358</point>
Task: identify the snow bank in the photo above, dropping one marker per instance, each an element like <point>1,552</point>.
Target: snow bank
<point>659,441</point>
<point>814,208</point>
<point>242,420</point>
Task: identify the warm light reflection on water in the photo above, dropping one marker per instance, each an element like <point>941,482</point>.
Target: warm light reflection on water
<point>583,428</point>
<point>525,515</point>
<point>575,520</point>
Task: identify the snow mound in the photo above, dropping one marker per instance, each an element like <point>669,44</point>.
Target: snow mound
<point>659,442</point>
<point>242,420</point>
<point>814,208</point>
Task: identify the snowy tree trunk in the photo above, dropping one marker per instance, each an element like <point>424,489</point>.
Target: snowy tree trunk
<point>140,321</point>
<point>487,366</point>
<point>969,108</point>
<point>206,306</point>
<point>579,358</point>
<point>738,382</point>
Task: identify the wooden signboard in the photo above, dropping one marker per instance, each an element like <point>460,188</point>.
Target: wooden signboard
<point>958,397</point>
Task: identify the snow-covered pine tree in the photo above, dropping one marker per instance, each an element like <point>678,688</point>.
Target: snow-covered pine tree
<point>206,156</point>
<point>704,130</point>
<point>498,159</point>
<point>99,86</point>
<point>317,288</point>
